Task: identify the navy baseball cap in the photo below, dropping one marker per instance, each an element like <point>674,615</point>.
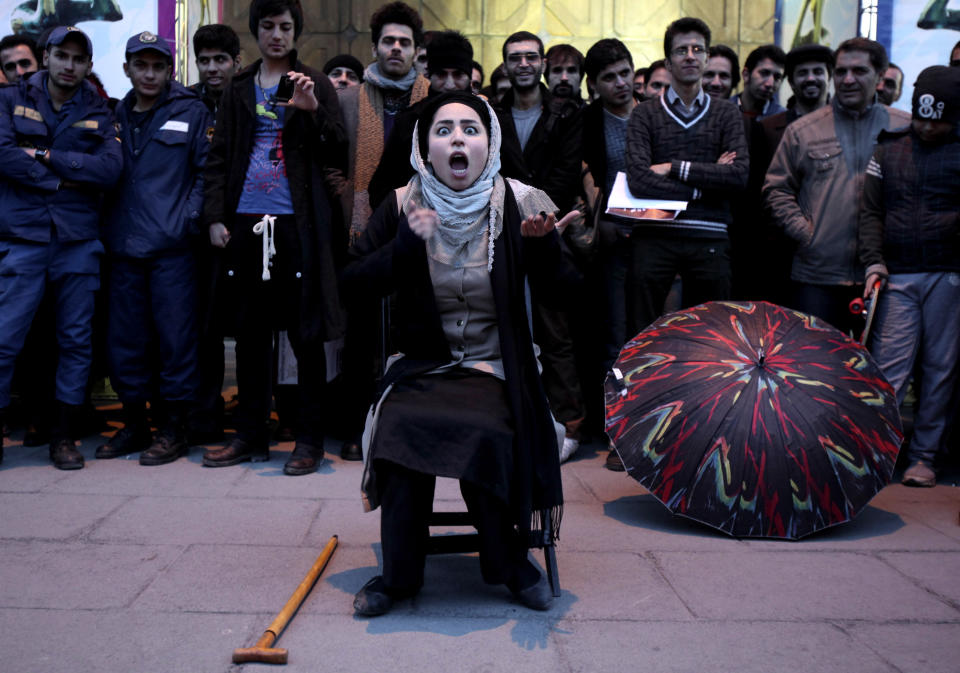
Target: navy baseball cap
<point>147,40</point>
<point>61,33</point>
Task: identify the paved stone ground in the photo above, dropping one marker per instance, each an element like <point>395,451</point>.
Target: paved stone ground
<point>124,568</point>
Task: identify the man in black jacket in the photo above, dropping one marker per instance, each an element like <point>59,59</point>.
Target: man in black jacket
<point>609,69</point>
<point>541,147</point>
<point>267,203</point>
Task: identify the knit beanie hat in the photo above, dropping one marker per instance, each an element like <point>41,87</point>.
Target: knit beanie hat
<point>344,61</point>
<point>449,49</point>
<point>936,94</point>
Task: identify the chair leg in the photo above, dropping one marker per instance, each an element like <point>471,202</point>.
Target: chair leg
<point>550,555</point>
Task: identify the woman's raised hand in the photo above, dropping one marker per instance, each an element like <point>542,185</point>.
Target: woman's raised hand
<point>543,223</point>
<point>423,221</point>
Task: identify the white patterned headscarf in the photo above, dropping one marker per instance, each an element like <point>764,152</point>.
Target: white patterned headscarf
<point>466,216</point>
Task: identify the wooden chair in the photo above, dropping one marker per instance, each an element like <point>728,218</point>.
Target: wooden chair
<point>465,543</point>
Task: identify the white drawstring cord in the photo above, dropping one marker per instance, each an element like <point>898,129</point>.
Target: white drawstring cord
<point>264,228</point>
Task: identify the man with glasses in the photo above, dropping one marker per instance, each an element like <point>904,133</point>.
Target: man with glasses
<point>541,147</point>
<point>688,147</point>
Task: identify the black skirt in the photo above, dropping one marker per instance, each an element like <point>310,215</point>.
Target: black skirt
<point>454,423</point>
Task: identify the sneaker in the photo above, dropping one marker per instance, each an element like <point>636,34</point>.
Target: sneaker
<point>570,446</point>
<point>919,474</point>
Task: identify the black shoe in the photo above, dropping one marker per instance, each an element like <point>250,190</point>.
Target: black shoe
<point>537,596</point>
<point>373,600</point>
<point>351,450</point>
<point>64,455</point>
<point>304,459</point>
<point>166,448</point>
<point>236,451</point>
<point>127,440</point>
<point>613,462</point>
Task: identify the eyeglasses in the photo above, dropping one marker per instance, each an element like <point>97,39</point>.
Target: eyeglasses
<point>680,52</point>
<point>531,57</point>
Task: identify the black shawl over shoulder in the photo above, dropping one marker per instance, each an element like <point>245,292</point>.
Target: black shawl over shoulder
<point>394,259</point>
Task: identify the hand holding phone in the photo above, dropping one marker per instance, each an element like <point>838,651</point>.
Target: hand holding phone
<point>284,90</point>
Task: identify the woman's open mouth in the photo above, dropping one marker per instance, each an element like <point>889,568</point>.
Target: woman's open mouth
<point>459,164</point>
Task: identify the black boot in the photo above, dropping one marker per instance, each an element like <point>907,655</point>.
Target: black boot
<point>63,451</point>
<point>171,441</point>
<point>134,436</point>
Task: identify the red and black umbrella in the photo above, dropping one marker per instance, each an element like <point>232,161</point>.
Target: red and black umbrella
<point>753,418</point>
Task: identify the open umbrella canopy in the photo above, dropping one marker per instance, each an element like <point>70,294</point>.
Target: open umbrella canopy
<point>753,418</point>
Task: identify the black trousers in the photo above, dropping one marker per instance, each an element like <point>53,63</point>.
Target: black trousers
<point>703,264</point>
<point>263,308</point>
<point>406,501</point>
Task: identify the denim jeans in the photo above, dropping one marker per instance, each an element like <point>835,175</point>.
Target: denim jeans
<point>917,323</point>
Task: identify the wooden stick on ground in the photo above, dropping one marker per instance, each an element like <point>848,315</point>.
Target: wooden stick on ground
<point>263,651</point>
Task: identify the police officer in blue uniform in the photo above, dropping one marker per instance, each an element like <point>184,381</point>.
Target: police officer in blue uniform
<point>150,236</point>
<point>58,152</point>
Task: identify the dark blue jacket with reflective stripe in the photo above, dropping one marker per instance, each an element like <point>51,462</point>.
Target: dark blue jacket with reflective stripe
<point>158,202</point>
<point>85,159</point>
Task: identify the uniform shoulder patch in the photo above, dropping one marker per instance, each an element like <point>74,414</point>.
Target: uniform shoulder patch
<point>210,133</point>
<point>28,112</point>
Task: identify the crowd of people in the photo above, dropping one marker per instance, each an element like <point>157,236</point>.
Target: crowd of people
<point>296,209</point>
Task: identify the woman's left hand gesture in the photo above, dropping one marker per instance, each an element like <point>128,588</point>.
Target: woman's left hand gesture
<point>303,96</point>
<point>542,224</point>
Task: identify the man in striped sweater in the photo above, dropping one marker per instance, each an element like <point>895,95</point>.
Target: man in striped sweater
<point>684,146</point>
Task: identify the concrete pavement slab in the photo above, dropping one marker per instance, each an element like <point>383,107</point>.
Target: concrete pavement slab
<point>333,479</point>
<point>610,585</point>
<point>741,646</point>
<point>936,572</point>
<point>347,519</point>
<point>78,576</point>
<point>125,476</point>
<point>410,643</point>
<point>244,579</point>
<point>27,470</point>
<point>796,585</point>
<point>635,523</point>
<point>210,520</point>
<point>62,641</point>
<point>875,529</point>
<point>942,516</point>
<point>920,648</point>
<point>53,516</point>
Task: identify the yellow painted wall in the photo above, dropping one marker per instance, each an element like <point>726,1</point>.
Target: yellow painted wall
<point>337,26</point>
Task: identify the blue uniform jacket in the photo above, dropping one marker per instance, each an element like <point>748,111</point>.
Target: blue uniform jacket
<point>85,159</point>
<point>159,199</point>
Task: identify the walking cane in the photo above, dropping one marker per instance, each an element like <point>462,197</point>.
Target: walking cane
<point>264,652</point>
<point>858,307</point>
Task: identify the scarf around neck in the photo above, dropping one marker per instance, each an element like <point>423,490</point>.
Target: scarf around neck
<point>465,215</point>
<point>372,74</point>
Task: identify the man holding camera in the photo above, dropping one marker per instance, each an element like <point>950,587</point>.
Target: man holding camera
<point>278,137</point>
